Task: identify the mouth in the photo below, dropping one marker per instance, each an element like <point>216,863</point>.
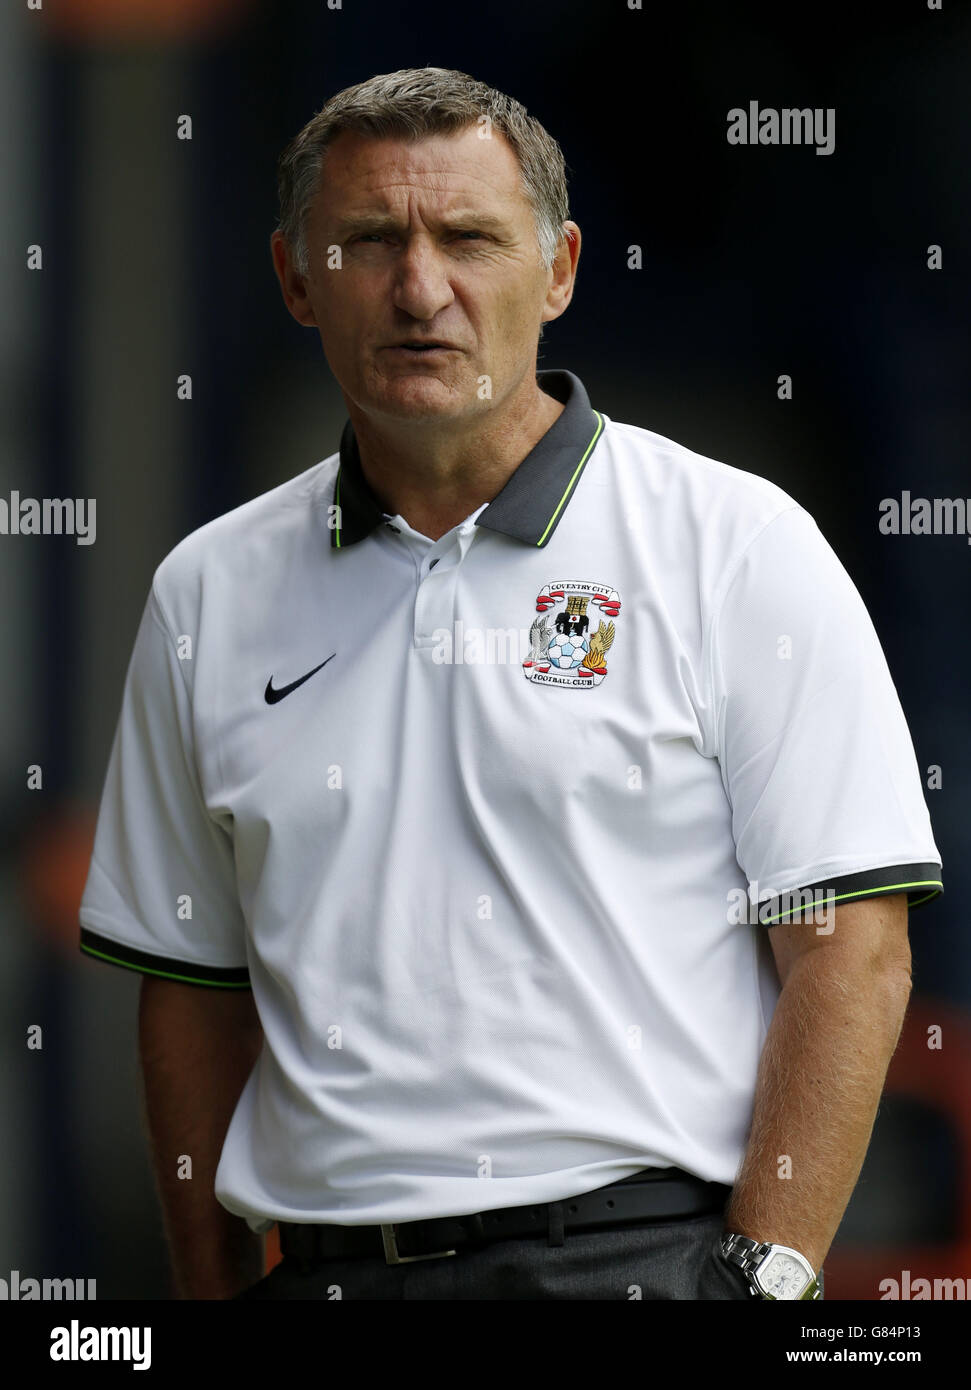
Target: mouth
<point>419,349</point>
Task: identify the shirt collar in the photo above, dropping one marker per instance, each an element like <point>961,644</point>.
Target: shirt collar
<point>532,501</point>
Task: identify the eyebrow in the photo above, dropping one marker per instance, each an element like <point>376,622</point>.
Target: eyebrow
<point>384,222</point>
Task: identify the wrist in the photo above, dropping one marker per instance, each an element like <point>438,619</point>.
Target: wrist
<point>808,1250</point>
<point>775,1271</point>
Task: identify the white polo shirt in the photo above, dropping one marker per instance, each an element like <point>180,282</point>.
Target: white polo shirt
<point>473,817</point>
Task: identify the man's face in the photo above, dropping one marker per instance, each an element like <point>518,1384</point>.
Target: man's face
<point>437,245</point>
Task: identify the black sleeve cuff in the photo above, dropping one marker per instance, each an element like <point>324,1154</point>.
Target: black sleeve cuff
<point>921,882</point>
<point>184,971</point>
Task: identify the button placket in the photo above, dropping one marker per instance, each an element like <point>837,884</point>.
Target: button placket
<point>434,605</point>
<point>393,535</point>
<point>436,565</point>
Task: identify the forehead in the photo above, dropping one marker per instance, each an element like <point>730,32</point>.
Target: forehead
<point>362,173</point>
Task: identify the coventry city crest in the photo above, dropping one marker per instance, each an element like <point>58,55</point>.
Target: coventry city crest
<point>563,647</point>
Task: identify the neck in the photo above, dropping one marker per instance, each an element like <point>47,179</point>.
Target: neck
<point>434,473</point>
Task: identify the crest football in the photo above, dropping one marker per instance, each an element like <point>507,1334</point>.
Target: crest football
<point>568,650</point>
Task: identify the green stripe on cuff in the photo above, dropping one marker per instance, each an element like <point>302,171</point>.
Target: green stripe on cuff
<point>824,900</point>
<point>186,972</point>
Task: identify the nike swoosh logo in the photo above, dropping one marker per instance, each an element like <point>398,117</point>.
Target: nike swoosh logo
<point>272,696</point>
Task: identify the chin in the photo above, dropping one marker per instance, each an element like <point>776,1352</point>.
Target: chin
<point>415,394</point>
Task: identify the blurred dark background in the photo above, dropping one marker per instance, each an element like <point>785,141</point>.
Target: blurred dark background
<point>757,261</point>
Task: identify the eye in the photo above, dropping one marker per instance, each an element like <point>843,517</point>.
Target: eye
<point>475,234</point>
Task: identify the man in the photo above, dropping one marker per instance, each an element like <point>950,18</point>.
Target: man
<point>503,755</point>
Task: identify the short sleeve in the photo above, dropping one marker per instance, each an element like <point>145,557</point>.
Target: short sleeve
<point>816,757</point>
<point>160,896</point>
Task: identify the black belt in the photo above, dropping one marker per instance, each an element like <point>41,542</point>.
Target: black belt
<point>650,1195</point>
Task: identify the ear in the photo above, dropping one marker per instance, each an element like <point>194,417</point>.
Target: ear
<point>293,286</point>
<point>562,273</point>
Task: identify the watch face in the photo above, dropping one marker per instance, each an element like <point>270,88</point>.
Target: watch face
<point>782,1277</point>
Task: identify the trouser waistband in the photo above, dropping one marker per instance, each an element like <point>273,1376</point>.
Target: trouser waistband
<point>653,1194</point>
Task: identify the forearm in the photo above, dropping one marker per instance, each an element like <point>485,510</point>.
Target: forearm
<point>197,1050</point>
<point>820,1079</point>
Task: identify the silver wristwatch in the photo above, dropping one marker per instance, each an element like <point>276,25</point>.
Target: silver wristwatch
<point>774,1271</point>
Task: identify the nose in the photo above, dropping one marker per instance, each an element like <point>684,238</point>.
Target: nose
<point>421,286</point>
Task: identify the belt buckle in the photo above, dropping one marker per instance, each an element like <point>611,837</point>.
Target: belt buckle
<point>390,1238</point>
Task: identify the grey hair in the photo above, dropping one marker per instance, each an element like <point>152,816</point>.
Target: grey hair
<point>410,104</point>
